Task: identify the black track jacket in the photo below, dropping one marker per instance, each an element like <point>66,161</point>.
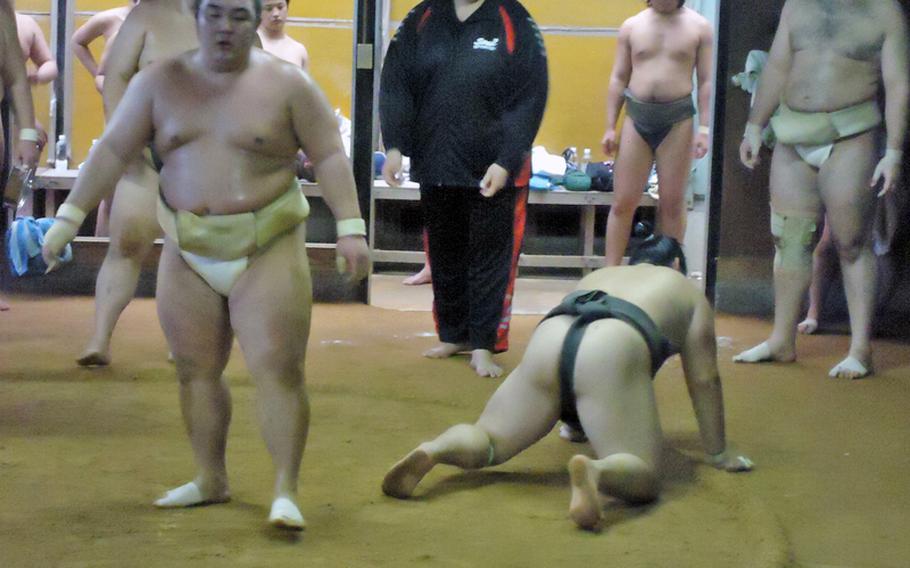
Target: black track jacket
<point>458,96</point>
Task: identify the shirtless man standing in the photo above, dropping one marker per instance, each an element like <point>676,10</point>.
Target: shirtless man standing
<point>591,362</point>
<point>657,52</point>
<point>828,60</point>
<point>234,259</point>
<point>35,49</point>
<point>274,40</point>
<point>104,24</point>
<point>14,81</point>
<point>152,31</point>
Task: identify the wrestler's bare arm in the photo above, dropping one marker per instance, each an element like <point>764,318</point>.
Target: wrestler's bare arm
<point>896,76</point>
<point>40,54</point>
<point>699,359</point>
<point>316,129</point>
<point>128,131</point>
<point>15,76</point>
<point>704,70</point>
<point>777,69</point>
<point>122,61</point>
<point>95,27</point>
<point>621,74</point>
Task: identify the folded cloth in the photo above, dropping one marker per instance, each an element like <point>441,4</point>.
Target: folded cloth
<point>541,183</point>
<point>542,162</point>
<point>24,240</point>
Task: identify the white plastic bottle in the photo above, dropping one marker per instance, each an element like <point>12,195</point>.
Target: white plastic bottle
<point>61,162</point>
<point>585,159</point>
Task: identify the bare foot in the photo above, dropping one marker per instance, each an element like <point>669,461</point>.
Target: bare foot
<point>286,515</point>
<point>584,508</point>
<point>763,353</point>
<point>404,476</point>
<point>190,495</point>
<point>4,307</point>
<point>851,368</point>
<point>425,276</point>
<point>808,326</point>
<point>482,362</point>
<point>94,358</point>
<point>444,350</point>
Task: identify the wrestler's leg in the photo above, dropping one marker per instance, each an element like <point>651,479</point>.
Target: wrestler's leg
<point>195,321</point>
<point>133,229</point>
<point>850,202</point>
<point>630,175</point>
<point>270,312</point>
<point>674,163</point>
<point>103,219</point>
<point>823,270</point>
<point>521,411</point>
<point>615,401</point>
<point>795,197</point>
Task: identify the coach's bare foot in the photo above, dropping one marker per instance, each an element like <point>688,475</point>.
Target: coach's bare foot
<point>192,494</point>
<point>482,362</point>
<point>286,515</point>
<point>444,350</point>
<point>404,476</point>
<point>763,353</point>
<point>808,326</point>
<point>94,358</point>
<point>4,307</point>
<point>584,508</point>
<point>425,276</point>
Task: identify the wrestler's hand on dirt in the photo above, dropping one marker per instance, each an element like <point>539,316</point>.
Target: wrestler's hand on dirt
<point>391,169</point>
<point>353,256</point>
<point>731,461</point>
<point>888,169</point>
<point>494,180</point>
<point>608,142</point>
<point>61,233</point>
<point>700,146</point>
<point>751,146</point>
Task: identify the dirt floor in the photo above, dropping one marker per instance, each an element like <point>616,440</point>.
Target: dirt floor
<point>84,452</point>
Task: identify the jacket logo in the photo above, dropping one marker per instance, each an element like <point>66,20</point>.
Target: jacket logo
<point>486,44</point>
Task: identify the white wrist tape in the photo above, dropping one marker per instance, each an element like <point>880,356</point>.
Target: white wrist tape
<point>704,130</point>
<point>71,213</point>
<point>752,130</point>
<point>28,135</point>
<point>348,227</point>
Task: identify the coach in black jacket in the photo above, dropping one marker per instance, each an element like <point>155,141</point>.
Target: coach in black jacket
<point>464,87</point>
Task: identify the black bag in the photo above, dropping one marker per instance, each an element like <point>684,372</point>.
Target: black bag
<point>601,174</point>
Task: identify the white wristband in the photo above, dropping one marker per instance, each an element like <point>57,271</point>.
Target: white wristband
<point>71,213</point>
<point>28,135</point>
<point>704,130</point>
<point>352,226</point>
<point>752,129</point>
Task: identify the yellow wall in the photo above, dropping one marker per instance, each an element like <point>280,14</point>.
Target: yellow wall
<point>579,67</point>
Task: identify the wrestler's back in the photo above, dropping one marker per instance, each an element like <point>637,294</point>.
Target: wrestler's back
<point>836,54</point>
<point>667,296</point>
<point>663,51</point>
<point>228,144</point>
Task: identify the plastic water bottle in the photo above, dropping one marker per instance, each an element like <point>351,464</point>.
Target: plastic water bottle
<point>573,157</point>
<point>61,162</point>
<point>585,159</point>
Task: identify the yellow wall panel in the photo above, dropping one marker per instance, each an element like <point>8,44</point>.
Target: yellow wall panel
<point>333,9</point>
<point>331,61</point>
<point>87,109</point>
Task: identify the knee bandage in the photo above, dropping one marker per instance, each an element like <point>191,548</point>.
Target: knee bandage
<point>793,236</point>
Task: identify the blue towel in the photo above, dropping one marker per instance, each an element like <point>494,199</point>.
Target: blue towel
<point>24,240</point>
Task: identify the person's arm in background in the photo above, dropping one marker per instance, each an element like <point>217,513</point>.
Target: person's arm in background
<point>619,80</point>
<point>40,54</point>
<point>83,37</point>
<point>528,75</point>
<point>704,73</point>
<point>397,107</point>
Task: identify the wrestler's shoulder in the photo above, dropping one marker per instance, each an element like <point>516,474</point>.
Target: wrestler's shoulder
<point>278,70</point>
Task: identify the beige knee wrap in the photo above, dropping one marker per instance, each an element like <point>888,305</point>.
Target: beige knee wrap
<point>793,237</point>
